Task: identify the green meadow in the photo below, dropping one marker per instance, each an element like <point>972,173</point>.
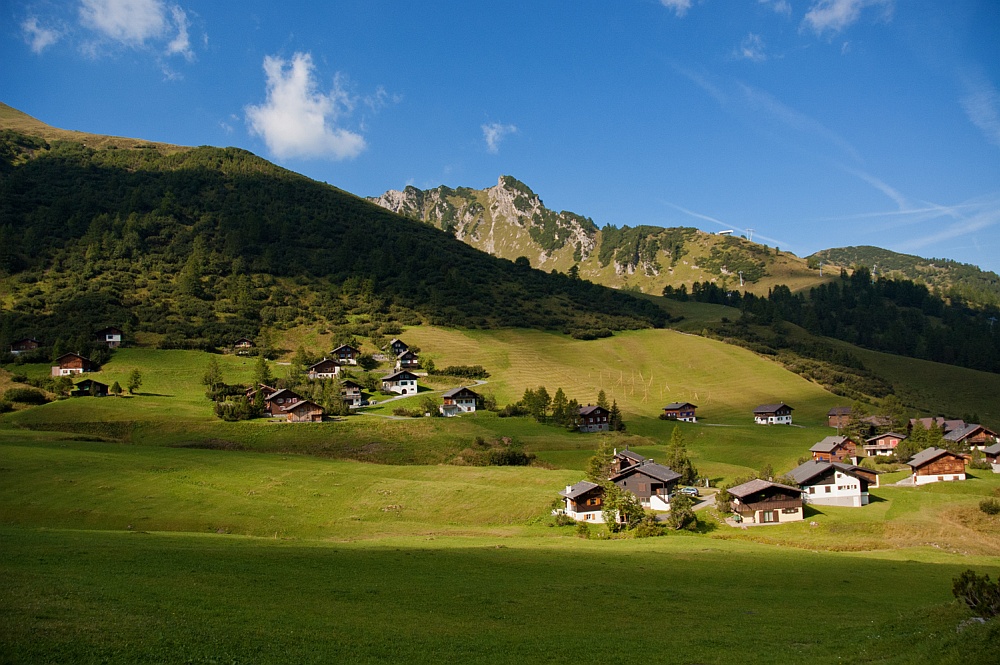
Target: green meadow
<point>142,529</point>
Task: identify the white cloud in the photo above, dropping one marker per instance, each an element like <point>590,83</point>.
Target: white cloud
<point>494,133</point>
<point>38,38</point>
<point>985,214</point>
<point>752,48</point>
<point>680,7</point>
<point>835,15</point>
<point>130,22</point>
<point>779,6</point>
<point>982,106</point>
<point>181,44</point>
<point>298,120</point>
<point>725,226</point>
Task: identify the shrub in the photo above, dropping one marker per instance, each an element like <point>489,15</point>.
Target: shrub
<point>562,519</point>
<point>5,406</point>
<point>25,396</point>
<point>990,506</point>
<point>509,458</point>
<point>648,527</point>
<point>980,594</point>
<point>513,410</point>
<point>403,412</point>
<point>583,530</point>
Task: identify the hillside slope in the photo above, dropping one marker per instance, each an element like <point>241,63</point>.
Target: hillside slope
<point>510,220</point>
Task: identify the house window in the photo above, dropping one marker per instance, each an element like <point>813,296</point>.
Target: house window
<point>940,477</point>
<point>812,490</point>
<point>827,489</point>
<point>769,516</point>
<point>790,511</point>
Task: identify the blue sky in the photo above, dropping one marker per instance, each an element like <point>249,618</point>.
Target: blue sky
<point>816,123</point>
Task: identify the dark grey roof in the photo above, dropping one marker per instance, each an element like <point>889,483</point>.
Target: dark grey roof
<point>961,433</point>
<point>587,410</point>
<point>803,473</point>
<point>579,489</point>
<point>992,450</point>
<point>771,408</point>
<point>828,444</point>
<point>673,406</point>
<point>839,411</point>
<point>345,346</point>
<point>926,455</point>
<point>756,485</point>
<point>407,352</point>
<point>323,362</point>
<point>349,382</point>
<point>455,391</point>
<point>881,436</point>
<point>284,392</point>
<point>655,471</point>
<point>399,375</point>
<point>301,403</point>
<point>630,455</point>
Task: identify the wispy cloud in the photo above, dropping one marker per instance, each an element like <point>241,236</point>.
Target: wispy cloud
<point>494,133</point>
<point>981,103</point>
<point>725,226</point>
<point>680,7</point>
<point>983,214</point>
<point>782,7</point>
<point>702,82</point>
<point>752,48</point>
<point>37,36</point>
<point>297,119</point>
<point>836,15</point>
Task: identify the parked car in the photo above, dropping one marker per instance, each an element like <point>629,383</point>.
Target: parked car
<point>690,491</point>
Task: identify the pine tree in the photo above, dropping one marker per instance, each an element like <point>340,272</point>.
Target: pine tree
<point>602,401</point>
<point>599,466</point>
<point>615,422</point>
<point>262,372</point>
<point>559,404</point>
<point>212,378</point>
<point>134,381</point>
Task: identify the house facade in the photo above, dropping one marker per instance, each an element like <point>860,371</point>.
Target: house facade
<point>350,392</point>
<point>346,354</point>
<point>773,414</point>
<point>304,411</point>
<point>25,345</point>
<point>71,363</point>
<point>584,501</point>
<point>594,419</point>
<point>764,502</point>
<point>407,360</point>
<point>650,482</point>
<point>402,382</point>
<point>276,403</point>
<point>883,444</point>
<point>458,401</point>
<point>623,459</point>
<point>397,346</point>
<point>328,368</point>
<point>683,411</point>
<point>992,455</point>
<point>835,449</point>
<point>839,416</point>
<point>242,346</point>
<point>89,387</point>
<point>832,484</point>
<point>973,436</point>
<point>933,465</point>
<point>111,336</point>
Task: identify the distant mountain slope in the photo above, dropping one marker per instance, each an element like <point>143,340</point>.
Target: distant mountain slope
<point>198,246</point>
<point>946,277</point>
<point>510,220</point>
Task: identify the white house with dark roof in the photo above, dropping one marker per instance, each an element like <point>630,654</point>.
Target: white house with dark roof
<point>883,444</point>
<point>403,382</point>
<point>458,401</point>
<point>933,465</point>
<point>328,368</point>
<point>650,482</point>
<point>773,414</point>
<point>584,501</point>
<point>594,419</point>
<point>832,483</point>
<point>763,502</point>
<point>683,411</point>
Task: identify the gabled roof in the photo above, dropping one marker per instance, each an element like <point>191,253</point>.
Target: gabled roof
<point>829,444</point>
<point>23,340</point>
<point>579,489</point>
<point>71,355</point>
<point>407,352</point>
<point>589,409</point>
<point>300,404</point>
<point>673,406</point>
<point>963,433</point>
<point>455,391</point>
<point>992,450</point>
<point>395,341</point>
<point>628,454</point>
<point>771,408</point>
<point>347,382</point>
<point>946,425</point>
<point>347,347</point>
<point>927,455</point>
<point>804,473</point>
<point>88,383</point>
<point>401,374</point>
<point>839,411</point>
<point>109,330</point>
<point>323,362</point>
<point>756,485</point>
<point>651,469</point>
<point>283,393</point>
<point>896,435</point>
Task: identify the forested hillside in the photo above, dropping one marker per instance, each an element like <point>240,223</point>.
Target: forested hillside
<point>196,247</point>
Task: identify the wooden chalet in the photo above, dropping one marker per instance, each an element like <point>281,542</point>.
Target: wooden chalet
<point>243,345</point>
<point>835,449</point>
<point>346,354</point>
<point>402,382</point>
<point>623,459</point>
<point>111,336</point>
<point>303,411</point>
<point>457,401</point>
<point>883,444</point>
<point>764,502</point>
<point>350,392</point>
<point>773,414</point>
<point>397,346</point>
<point>973,436</point>
<point>265,391</point>
<point>26,345</point>
<point>833,484</point>
<point>683,411</point>
<point>992,455</point>
<point>328,368</point>
<point>650,482</point>
<point>90,388</point>
<point>276,402</point>
<point>944,424</point>
<point>584,501</point>
<point>407,360</point>
<point>594,419</point>
<point>839,416</point>
<point>72,363</point>
<point>933,465</point>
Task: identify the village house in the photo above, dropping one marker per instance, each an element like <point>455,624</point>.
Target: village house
<point>623,459</point>
<point>327,368</point>
<point>397,346</point>
<point>764,502</point>
<point>25,345</point>
<point>833,484</point>
<point>276,402</point>
<point>773,414</point>
<point>346,354</point>
<point>650,482</point>
<point>242,346</point>
<point>350,392</point>
<point>458,400</point>
<point>883,444</point>
<point>111,336</point>
<point>72,363</point>
<point>839,416</point>
<point>407,360</point>
<point>303,411</point>
<point>89,387</point>
<point>973,436</point>
<point>265,392</point>
<point>835,449</point>
<point>683,411</point>
<point>594,419</point>
<point>943,424</point>
<point>402,382</point>
<point>933,465</point>
<point>584,501</point>
<point>992,455</point>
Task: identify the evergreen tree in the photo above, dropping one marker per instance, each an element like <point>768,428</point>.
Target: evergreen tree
<point>212,378</point>
<point>116,389</point>
<point>599,466</point>
<point>677,458</point>
<point>682,515</point>
<point>615,422</point>
<point>134,381</point>
<point>572,422</point>
<point>602,401</point>
<point>559,404</point>
<point>262,372</point>
<point>621,509</point>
